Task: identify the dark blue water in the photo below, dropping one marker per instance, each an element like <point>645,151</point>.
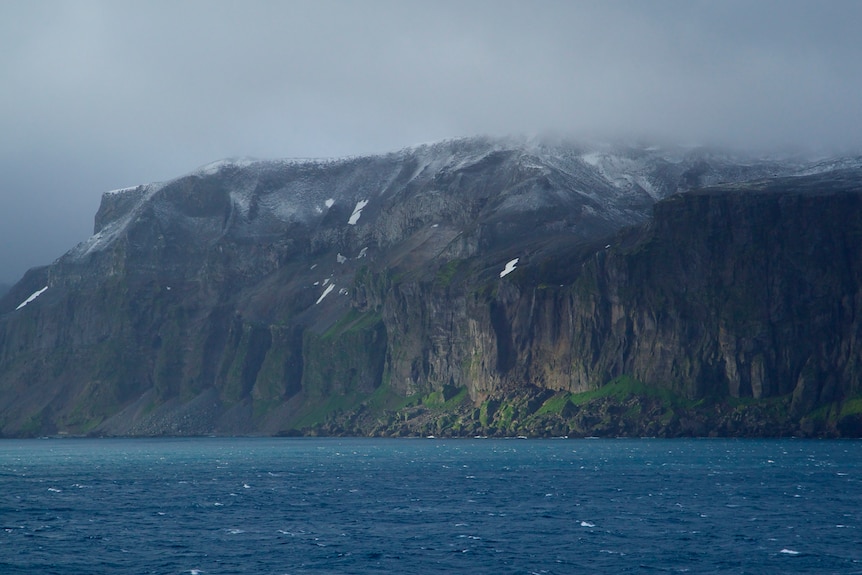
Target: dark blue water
<point>365,506</point>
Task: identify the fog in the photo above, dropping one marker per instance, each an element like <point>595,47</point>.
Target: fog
<point>103,95</point>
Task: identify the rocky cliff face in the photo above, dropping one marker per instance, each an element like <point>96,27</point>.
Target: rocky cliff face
<point>746,291</point>
<point>472,286</point>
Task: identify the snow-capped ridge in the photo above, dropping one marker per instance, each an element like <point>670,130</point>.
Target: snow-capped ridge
<point>215,167</point>
<point>123,191</point>
<point>829,165</point>
<point>111,229</point>
<point>598,180</point>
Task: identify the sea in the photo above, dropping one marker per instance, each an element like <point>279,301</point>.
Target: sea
<point>204,506</point>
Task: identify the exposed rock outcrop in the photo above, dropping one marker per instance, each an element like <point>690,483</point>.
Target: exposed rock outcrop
<point>468,287</point>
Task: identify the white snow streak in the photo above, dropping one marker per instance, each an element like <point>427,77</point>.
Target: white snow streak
<point>33,296</point>
<point>329,203</point>
<point>357,211</point>
<point>510,267</point>
<point>325,293</point>
<point>592,158</point>
<point>121,191</point>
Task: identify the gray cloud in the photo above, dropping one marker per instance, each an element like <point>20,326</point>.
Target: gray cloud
<point>100,95</point>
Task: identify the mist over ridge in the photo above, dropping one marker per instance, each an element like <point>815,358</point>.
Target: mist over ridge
<point>97,100</point>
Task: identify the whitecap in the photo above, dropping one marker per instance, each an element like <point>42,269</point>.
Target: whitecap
<point>789,551</point>
<point>587,524</point>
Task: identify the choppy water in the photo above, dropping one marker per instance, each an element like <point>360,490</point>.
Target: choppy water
<point>208,506</point>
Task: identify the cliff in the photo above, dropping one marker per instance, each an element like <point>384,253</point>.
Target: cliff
<point>467,287</point>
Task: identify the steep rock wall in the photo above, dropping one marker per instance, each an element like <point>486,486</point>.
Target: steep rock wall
<point>750,292</point>
<point>248,299</point>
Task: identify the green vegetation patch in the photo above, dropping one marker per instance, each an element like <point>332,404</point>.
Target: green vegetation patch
<point>834,411</point>
<point>556,404</point>
<point>380,402</point>
<point>851,407</point>
<point>333,404</point>
<point>446,399</point>
<point>384,398</point>
<point>447,272</point>
<point>624,387</point>
<point>353,321</point>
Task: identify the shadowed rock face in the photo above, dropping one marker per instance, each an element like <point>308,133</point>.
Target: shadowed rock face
<point>747,291</point>
<point>261,297</point>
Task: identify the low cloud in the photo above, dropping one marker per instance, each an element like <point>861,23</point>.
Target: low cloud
<point>100,95</point>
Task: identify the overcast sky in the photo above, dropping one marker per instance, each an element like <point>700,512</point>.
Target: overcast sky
<point>106,94</point>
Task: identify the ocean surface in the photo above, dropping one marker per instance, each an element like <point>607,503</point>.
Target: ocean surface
<point>263,505</point>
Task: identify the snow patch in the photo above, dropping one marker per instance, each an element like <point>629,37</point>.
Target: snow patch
<point>357,211</point>
<point>362,253</point>
<point>325,293</point>
<point>33,296</point>
<point>340,258</point>
<point>510,267</point>
<point>329,203</point>
<point>592,158</point>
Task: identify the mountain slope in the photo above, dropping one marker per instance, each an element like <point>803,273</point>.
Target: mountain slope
<point>261,297</point>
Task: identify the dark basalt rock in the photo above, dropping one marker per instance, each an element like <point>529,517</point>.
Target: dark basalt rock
<point>367,296</point>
